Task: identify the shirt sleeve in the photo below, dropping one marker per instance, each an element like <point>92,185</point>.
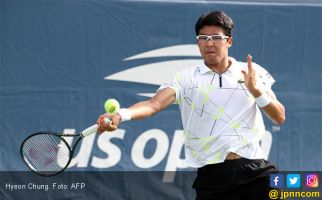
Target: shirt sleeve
<point>176,83</point>
<point>263,78</point>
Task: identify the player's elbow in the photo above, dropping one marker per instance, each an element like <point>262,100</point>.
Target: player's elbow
<point>154,107</point>
<point>280,119</point>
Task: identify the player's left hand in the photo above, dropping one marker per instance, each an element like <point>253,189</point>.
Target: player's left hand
<point>249,78</point>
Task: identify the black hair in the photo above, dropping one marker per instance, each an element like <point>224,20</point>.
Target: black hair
<point>215,18</point>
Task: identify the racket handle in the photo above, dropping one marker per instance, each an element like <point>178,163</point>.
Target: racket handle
<point>93,129</point>
<point>89,131</point>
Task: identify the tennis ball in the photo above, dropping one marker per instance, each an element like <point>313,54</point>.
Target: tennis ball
<point>111,105</point>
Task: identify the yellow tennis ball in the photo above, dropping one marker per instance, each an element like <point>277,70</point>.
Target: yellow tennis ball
<point>111,106</point>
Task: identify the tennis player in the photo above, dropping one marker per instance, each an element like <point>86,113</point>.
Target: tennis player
<point>220,101</point>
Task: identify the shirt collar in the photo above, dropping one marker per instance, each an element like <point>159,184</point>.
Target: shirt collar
<point>203,68</point>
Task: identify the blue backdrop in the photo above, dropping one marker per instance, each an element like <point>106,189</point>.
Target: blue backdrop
<point>60,60</point>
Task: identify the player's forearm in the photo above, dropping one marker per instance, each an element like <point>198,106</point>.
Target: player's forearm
<point>144,109</point>
<point>161,100</point>
<point>275,111</point>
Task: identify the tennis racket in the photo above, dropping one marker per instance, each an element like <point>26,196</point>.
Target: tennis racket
<point>48,153</point>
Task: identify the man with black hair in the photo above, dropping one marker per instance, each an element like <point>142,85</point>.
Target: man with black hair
<point>220,101</point>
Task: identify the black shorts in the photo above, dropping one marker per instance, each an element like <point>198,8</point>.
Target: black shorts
<point>238,179</point>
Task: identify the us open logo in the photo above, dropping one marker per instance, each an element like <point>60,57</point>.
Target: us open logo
<point>164,69</point>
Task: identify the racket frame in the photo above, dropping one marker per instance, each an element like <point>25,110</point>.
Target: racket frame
<point>60,136</point>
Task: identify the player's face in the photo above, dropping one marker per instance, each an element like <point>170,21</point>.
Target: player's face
<point>216,50</point>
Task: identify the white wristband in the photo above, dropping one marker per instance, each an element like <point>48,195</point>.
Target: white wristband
<point>125,114</point>
<point>263,100</point>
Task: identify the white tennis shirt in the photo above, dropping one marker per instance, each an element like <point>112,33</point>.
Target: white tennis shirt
<point>218,113</point>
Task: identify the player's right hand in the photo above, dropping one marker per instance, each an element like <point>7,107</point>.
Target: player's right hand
<point>108,125</point>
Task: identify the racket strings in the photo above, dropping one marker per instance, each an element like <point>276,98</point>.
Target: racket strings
<point>33,150</point>
<point>45,157</point>
<point>46,153</point>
